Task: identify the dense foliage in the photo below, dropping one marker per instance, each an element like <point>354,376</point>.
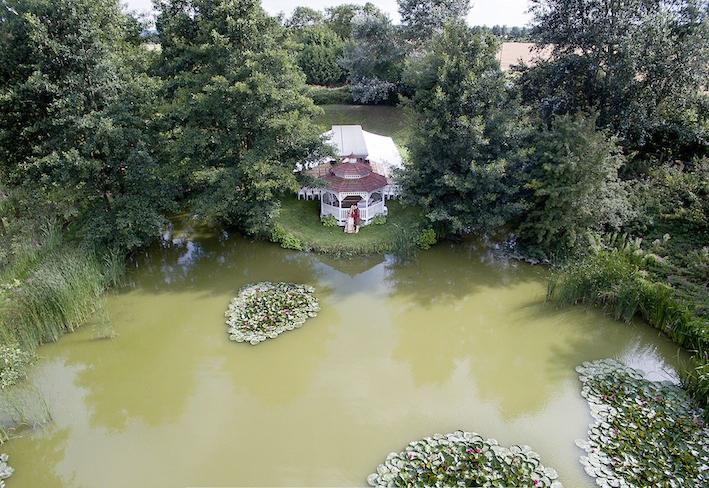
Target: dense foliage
<point>13,364</point>
<point>640,64</point>
<point>571,187</point>
<point>237,117</point>
<point>423,18</point>
<point>75,109</point>
<point>374,58</point>
<point>457,170</point>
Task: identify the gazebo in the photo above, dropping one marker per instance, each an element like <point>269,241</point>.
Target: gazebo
<point>362,174</point>
<point>352,182</point>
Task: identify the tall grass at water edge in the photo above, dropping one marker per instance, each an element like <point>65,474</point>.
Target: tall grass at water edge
<point>614,279</point>
<point>53,288</point>
<point>64,290</point>
<point>48,287</point>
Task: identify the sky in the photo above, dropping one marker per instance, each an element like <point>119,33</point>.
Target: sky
<point>484,12</point>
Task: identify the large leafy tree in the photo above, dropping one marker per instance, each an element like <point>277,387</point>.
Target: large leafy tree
<point>319,48</point>
<point>374,58</point>
<point>457,169</point>
<point>572,187</point>
<point>75,112</point>
<point>239,119</point>
<point>640,64</point>
<point>339,17</point>
<point>423,18</point>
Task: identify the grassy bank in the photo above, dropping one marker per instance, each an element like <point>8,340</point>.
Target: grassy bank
<point>301,228</point>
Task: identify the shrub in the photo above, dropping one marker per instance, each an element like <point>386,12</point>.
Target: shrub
<point>425,239</point>
<point>323,95</point>
<point>379,220</point>
<point>374,91</point>
<point>289,241</point>
<point>329,221</point>
<point>13,364</point>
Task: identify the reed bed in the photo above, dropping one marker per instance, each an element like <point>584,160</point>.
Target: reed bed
<point>23,404</point>
<point>47,290</point>
<point>63,290</point>
<point>615,280</point>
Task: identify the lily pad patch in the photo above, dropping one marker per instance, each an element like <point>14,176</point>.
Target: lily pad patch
<point>463,459</point>
<point>646,433</point>
<point>265,310</point>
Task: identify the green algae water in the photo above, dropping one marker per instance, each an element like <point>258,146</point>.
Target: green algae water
<point>458,339</point>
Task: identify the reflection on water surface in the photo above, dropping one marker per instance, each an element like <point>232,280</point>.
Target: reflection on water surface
<point>456,340</point>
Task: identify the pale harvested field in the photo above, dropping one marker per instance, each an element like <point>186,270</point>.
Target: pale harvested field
<point>514,52</point>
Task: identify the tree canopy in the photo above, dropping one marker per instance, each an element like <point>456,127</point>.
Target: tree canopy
<point>75,119</point>
<point>239,119</point>
<point>423,18</point>
<point>640,64</point>
<point>571,187</point>
<point>456,169</point>
<point>374,57</point>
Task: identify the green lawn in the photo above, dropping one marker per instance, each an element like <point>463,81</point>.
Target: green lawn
<point>301,219</point>
<point>382,120</point>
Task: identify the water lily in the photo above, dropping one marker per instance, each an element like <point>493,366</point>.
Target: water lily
<point>450,460</point>
<point>264,310</point>
<point>645,433</point>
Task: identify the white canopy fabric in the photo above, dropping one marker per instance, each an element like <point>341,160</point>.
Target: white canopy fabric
<point>379,150</point>
<point>383,154</point>
<point>348,140</point>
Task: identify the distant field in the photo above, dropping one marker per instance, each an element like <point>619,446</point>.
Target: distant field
<point>512,53</point>
<point>385,121</point>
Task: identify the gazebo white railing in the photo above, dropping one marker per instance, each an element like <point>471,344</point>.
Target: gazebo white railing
<point>369,206</point>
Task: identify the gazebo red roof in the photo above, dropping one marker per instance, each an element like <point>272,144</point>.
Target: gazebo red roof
<point>353,177</point>
<point>351,170</point>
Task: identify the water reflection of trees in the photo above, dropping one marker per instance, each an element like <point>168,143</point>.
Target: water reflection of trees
<point>452,271</point>
<point>276,371</point>
<point>455,307</point>
<point>39,465</point>
<point>170,322</point>
<point>216,264</point>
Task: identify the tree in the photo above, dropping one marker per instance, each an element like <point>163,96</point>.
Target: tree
<point>462,121</point>
<point>572,187</point>
<point>305,17</point>
<point>240,120</point>
<point>636,62</point>
<point>75,128</point>
<point>423,18</point>
<point>374,57</point>
<point>319,52</point>
<point>339,17</point>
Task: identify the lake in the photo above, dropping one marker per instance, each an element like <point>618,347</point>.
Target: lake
<point>459,339</point>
